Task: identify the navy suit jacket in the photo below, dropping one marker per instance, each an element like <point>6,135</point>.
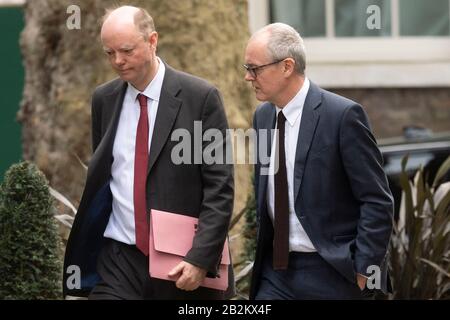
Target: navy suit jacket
<point>341,193</point>
<point>198,190</point>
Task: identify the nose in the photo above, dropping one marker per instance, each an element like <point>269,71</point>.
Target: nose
<point>248,76</point>
<point>119,59</point>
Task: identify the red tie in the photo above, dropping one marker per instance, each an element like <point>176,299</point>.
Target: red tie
<point>140,178</point>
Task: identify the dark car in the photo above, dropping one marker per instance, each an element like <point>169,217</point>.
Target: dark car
<point>424,149</point>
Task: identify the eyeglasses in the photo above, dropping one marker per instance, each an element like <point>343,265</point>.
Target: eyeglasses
<point>252,70</point>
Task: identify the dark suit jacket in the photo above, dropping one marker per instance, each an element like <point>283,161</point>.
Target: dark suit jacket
<point>341,193</point>
<point>198,190</point>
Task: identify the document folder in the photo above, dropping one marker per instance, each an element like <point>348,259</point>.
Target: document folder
<point>171,237</point>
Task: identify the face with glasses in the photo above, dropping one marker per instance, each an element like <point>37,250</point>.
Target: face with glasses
<point>267,76</point>
<point>253,70</point>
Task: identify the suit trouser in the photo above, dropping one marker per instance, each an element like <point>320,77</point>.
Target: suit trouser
<point>123,270</point>
<point>308,276</point>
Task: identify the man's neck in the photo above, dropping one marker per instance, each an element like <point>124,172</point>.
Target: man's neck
<point>151,76</point>
<point>291,91</point>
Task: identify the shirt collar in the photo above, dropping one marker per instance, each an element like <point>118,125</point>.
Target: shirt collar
<point>294,108</point>
<point>153,90</point>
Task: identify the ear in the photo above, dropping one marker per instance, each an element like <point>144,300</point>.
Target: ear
<point>289,66</point>
<point>153,39</point>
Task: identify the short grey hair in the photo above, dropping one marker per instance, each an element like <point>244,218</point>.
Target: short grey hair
<point>285,42</point>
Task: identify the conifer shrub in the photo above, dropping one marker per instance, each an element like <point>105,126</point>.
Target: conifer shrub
<point>29,264</point>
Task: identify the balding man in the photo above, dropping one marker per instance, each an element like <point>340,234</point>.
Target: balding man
<point>132,171</point>
<point>324,207</point>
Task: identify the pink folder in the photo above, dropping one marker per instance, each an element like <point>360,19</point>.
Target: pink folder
<point>171,237</point>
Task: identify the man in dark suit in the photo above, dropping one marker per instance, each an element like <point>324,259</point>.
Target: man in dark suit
<point>132,170</point>
<point>324,207</point>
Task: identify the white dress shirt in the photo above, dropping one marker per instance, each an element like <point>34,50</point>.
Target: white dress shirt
<point>121,222</point>
<point>298,239</point>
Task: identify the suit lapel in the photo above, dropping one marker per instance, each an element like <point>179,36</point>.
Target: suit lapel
<point>112,106</point>
<point>115,100</point>
<point>268,123</point>
<point>308,124</point>
<point>168,109</point>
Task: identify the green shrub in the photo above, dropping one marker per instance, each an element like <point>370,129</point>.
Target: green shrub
<point>250,229</point>
<point>248,253</point>
<point>420,247</point>
<point>29,263</point>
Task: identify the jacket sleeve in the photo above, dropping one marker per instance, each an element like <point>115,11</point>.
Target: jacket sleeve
<point>364,167</point>
<point>218,188</point>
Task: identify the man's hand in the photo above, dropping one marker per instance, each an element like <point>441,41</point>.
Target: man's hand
<point>190,276</point>
<point>361,280</point>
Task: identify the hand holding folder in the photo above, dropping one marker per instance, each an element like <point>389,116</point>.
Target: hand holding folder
<point>171,237</point>
<point>187,276</point>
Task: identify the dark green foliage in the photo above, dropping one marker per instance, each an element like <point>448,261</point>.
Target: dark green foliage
<point>250,229</point>
<point>248,254</point>
<point>29,263</point>
<point>420,247</point>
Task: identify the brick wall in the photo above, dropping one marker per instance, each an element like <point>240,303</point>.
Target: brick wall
<point>390,110</point>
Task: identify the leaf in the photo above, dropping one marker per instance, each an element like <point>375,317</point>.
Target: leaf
<point>430,203</point>
<point>443,169</point>
<point>65,219</point>
<point>404,161</point>
<point>420,191</point>
<point>435,266</point>
<point>234,237</point>
<point>441,192</point>
<point>444,290</point>
<point>443,205</point>
<point>80,161</point>
<point>244,272</point>
<point>407,201</point>
<point>61,198</point>
<point>238,217</point>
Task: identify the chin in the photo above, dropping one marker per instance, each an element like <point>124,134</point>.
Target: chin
<point>126,78</point>
<point>261,97</point>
